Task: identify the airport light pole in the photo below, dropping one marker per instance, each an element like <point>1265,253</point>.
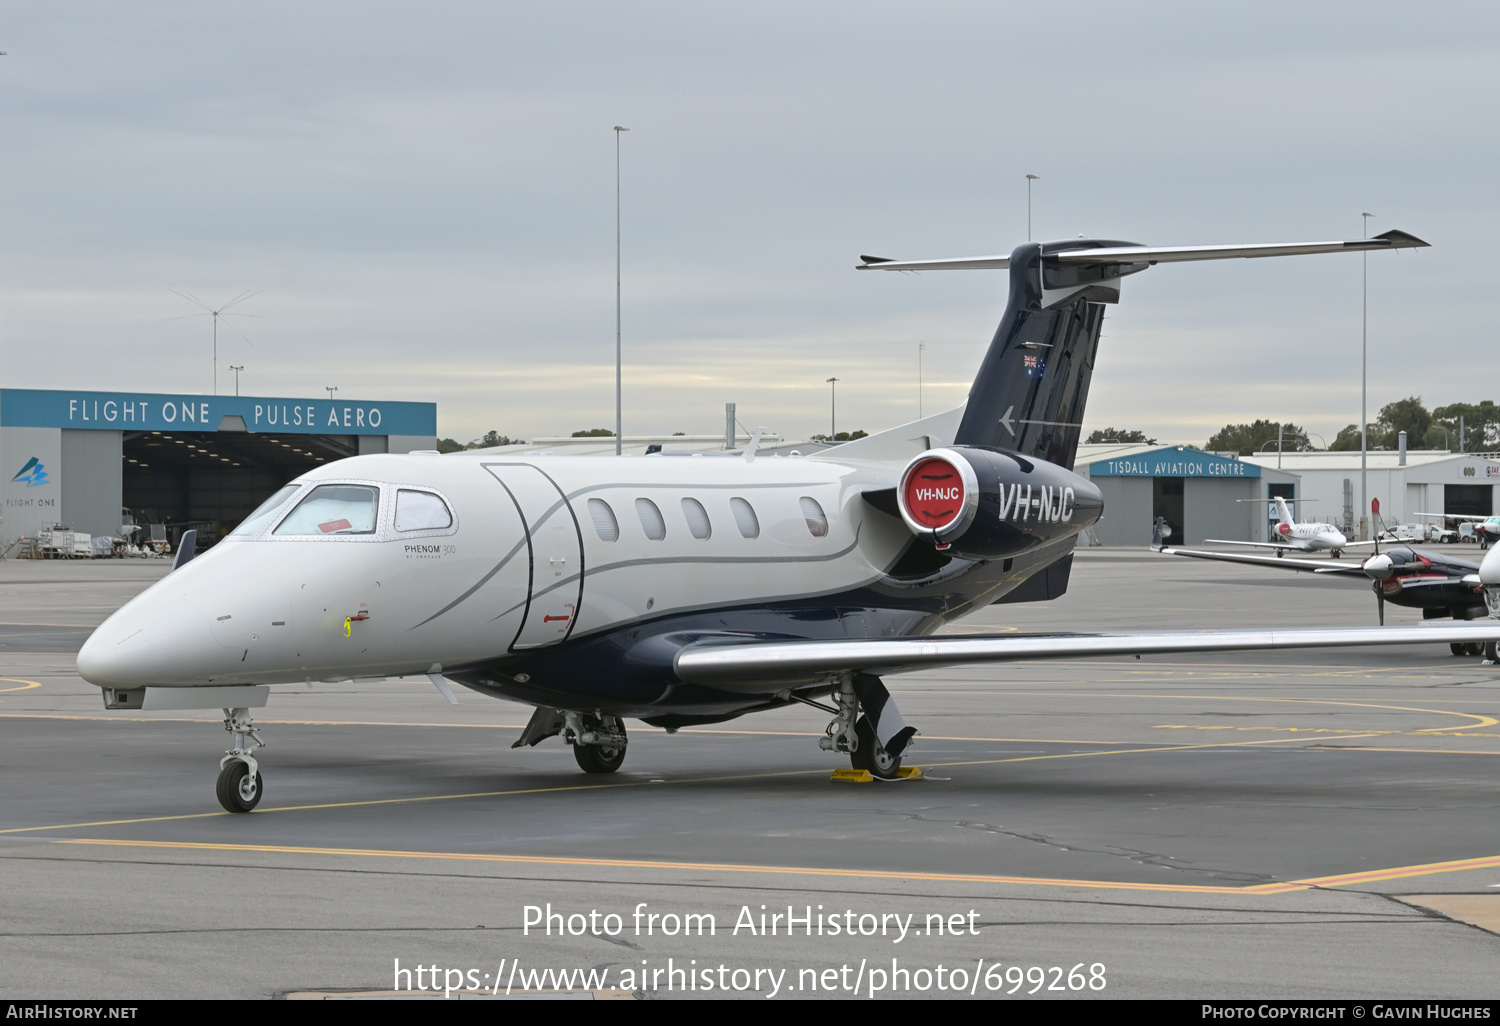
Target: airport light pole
<point>1364,374</point>
<point>1029,180</point>
<point>833,410</point>
<point>330,389</point>
<point>236,376</point>
<point>921,346</point>
<point>619,440</point>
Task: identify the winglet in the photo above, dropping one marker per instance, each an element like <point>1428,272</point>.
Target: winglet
<point>1157,544</point>
<point>1402,240</point>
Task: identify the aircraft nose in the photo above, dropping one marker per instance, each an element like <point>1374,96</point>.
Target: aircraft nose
<point>149,643</point>
<point>1378,567</point>
<point>1489,568</point>
<point>1339,541</point>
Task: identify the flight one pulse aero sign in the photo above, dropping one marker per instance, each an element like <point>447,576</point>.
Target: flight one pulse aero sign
<point>134,411</point>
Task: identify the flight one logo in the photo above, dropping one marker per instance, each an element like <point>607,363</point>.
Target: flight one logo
<point>33,474</point>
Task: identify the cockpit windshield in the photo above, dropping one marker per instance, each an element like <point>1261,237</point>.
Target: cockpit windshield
<point>333,509</point>
<point>255,521</point>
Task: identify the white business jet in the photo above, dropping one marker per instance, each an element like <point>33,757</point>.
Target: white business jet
<point>680,589</point>
<point>1289,535</point>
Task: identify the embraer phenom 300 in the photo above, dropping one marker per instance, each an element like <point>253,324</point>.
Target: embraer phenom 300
<point>681,590</point>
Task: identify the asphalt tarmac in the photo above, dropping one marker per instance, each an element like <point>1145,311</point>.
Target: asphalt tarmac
<point>1294,825</point>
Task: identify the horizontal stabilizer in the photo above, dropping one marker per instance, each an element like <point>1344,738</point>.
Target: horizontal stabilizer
<point>1145,255</point>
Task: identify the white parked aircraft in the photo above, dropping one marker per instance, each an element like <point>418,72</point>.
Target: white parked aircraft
<point>1289,535</point>
<point>680,589</point>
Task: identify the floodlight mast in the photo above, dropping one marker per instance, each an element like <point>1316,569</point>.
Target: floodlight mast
<point>619,440</point>
<point>216,314</point>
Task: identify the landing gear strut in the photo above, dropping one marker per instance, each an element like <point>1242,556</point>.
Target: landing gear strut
<point>239,787</point>
<point>598,741</point>
<point>851,732</point>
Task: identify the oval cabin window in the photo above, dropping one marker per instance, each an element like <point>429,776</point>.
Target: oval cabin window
<point>604,520</point>
<point>651,519</point>
<point>744,517</point>
<point>817,520</point>
<point>697,518</point>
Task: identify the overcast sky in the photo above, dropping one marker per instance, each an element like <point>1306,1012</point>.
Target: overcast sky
<point>423,194</point>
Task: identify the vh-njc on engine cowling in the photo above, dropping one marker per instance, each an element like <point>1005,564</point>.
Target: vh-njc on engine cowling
<point>990,503</point>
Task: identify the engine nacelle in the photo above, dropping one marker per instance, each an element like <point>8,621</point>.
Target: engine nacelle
<point>989,503</point>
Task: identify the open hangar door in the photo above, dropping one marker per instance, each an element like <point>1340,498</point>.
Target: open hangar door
<point>211,480</point>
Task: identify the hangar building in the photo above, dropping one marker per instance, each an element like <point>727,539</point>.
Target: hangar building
<point>79,458</point>
<point>1195,491</point>
<point>1417,481</point>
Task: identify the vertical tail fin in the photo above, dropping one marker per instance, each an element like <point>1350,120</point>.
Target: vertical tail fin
<point>1030,391</point>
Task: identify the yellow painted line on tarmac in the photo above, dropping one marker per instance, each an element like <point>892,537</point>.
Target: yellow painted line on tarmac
<point>26,685</point>
<point>1341,880</point>
<point>1482,720</point>
<point>87,626</point>
<point>631,784</point>
<point>1412,751</point>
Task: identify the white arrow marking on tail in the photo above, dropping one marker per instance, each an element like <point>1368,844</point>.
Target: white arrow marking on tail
<point>1005,420</point>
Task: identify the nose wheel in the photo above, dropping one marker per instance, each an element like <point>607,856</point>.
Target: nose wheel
<point>239,788</point>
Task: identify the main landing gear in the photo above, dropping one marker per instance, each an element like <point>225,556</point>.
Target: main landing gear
<point>239,787</point>
<point>598,741</point>
<point>860,735</point>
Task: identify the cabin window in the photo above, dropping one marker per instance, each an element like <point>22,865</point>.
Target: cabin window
<point>651,519</point>
<point>332,509</point>
<point>421,511</point>
<point>744,517</point>
<point>255,521</point>
<point>604,520</point>
<point>817,520</point>
<point>697,518</point>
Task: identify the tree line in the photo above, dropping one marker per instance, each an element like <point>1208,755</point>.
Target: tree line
<point>1425,429</point>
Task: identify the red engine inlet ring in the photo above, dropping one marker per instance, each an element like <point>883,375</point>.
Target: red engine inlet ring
<point>938,495</point>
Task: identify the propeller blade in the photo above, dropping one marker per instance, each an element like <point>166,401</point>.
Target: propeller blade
<point>1380,603</point>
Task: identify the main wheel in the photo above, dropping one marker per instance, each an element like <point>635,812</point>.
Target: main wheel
<point>1491,653</point>
<point>1458,648</point>
<point>237,791</point>
<point>1474,648</point>
<point>879,762</point>
<point>598,758</point>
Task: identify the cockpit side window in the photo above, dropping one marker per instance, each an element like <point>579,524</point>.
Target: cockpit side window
<point>262,515</point>
<point>421,511</point>
<point>333,509</point>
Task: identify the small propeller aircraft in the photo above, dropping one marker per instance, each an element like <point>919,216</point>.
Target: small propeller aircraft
<point>1290,536</point>
<point>1439,585</point>
<point>682,590</point>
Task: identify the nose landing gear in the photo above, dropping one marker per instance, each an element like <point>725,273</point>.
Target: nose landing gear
<point>239,787</point>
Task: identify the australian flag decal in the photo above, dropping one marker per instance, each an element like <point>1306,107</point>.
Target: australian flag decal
<point>34,473</point>
<point>1035,366</point>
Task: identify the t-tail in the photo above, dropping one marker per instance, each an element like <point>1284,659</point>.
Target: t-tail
<point>1283,511</point>
<point>1031,389</point>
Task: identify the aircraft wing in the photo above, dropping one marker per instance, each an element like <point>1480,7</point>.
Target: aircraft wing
<point>756,667</point>
<point>1452,516</point>
<point>1256,545</point>
<point>1322,566</point>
